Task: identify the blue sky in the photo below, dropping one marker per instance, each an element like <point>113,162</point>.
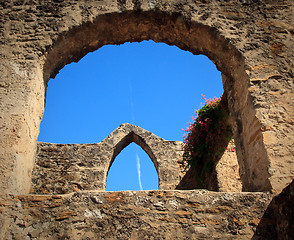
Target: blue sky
<point>152,85</point>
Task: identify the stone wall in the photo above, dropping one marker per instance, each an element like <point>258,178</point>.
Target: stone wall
<point>127,215</point>
<point>251,42</point>
<point>66,168</point>
<point>278,219</point>
<point>227,172</point>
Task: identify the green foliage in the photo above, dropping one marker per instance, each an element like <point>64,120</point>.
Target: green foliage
<point>207,137</point>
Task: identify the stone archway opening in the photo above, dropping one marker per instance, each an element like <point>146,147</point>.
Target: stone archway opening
<point>130,138</point>
<point>74,75</point>
<point>152,85</point>
<point>187,35</point>
<point>132,169</point>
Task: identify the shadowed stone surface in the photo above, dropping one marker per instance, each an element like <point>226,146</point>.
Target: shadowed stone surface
<point>278,220</point>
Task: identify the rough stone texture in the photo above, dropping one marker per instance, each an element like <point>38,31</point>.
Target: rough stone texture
<point>251,42</point>
<point>278,220</point>
<point>227,170</point>
<point>66,168</point>
<point>194,214</point>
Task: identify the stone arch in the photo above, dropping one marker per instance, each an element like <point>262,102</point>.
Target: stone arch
<point>176,29</point>
<point>118,28</point>
<point>128,139</point>
<point>253,53</point>
<point>164,154</point>
<point>65,168</point>
<point>132,137</point>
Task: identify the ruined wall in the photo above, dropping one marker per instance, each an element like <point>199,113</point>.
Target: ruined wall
<point>126,215</point>
<point>66,168</point>
<point>227,172</point>
<point>251,42</point>
<point>279,214</point>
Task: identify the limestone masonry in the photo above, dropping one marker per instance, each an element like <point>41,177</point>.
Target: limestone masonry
<point>64,168</point>
<point>51,191</point>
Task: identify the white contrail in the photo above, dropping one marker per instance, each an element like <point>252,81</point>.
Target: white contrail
<point>133,121</point>
<point>139,171</point>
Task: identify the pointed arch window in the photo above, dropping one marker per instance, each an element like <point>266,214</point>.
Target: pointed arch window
<point>138,148</point>
<point>132,169</point>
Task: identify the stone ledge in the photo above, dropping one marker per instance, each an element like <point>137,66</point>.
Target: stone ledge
<point>170,214</point>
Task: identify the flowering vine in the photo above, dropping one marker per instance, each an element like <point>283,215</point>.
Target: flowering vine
<point>206,139</point>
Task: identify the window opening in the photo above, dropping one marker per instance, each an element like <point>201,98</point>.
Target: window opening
<point>89,99</point>
<point>152,85</point>
<point>126,174</point>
